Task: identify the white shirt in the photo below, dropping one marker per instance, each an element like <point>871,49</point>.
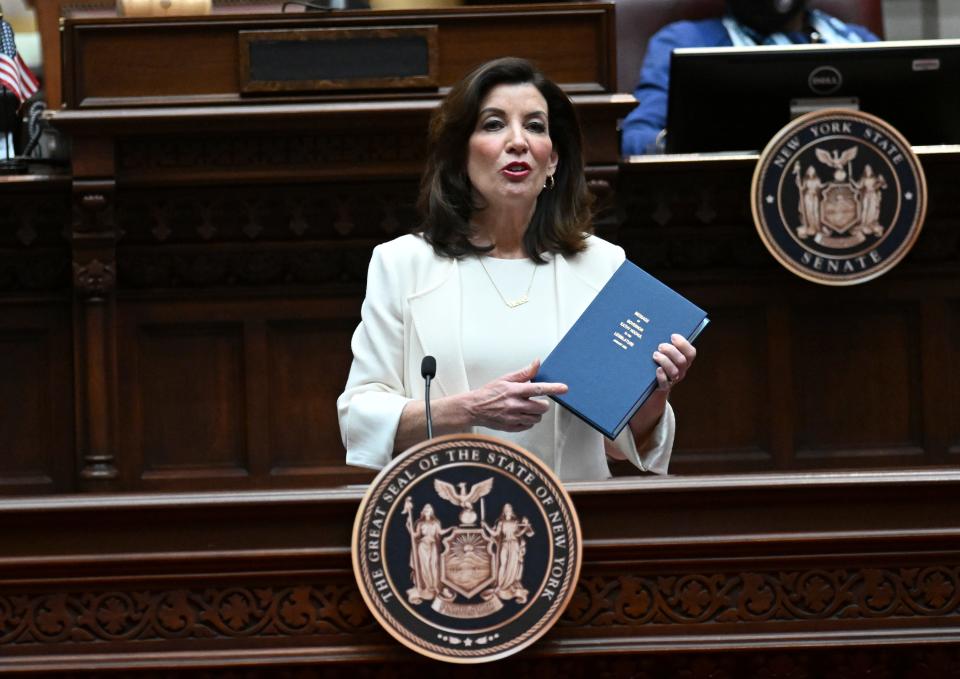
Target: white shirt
<point>487,355</point>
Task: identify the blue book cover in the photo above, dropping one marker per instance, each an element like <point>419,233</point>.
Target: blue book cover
<point>606,357</point>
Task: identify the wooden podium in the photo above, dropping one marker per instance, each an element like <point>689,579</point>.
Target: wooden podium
<point>221,224</point>
<point>815,575</point>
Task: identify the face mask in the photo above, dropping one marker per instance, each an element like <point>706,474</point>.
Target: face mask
<point>764,16</point>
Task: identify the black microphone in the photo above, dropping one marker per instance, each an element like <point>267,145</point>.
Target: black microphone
<point>428,369</point>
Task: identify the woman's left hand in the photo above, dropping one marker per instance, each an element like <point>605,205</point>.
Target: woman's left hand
<point>674,360</point>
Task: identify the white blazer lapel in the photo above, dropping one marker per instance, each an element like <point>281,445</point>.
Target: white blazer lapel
<point>435,315</point>
<point>574,293</point>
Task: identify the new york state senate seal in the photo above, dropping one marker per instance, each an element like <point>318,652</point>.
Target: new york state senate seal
<point>838,197</point>
<point>466,548</point>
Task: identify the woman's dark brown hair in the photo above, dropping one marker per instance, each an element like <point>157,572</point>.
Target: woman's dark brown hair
<point>562,216</point>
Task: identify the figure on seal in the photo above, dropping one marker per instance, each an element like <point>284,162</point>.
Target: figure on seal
<point>509,534</point>
<point>870,185</point>
<point>809,188</point>
<point>425,537</point>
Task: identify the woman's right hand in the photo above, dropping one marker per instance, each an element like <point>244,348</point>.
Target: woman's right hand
<point>508,403</point>
<point>511,402</point>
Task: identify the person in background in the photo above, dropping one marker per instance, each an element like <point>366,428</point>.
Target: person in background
<point>745,23</point>
<point>501,266</point>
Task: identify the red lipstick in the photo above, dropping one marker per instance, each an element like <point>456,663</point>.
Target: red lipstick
<point>517,170</point>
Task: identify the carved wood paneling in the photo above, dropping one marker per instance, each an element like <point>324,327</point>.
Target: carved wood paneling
<point>850,342</point>
<point>34,239</point>
<point>851,378</point>
<point>950,366</point>
<point>807,599</point>
<point>24,391</point>
<point>225,612</point>
<point>241,580</point>
<point>313,155</point>
<point>259,237</point>
<point>733,429</point>
<point>639,610</point>
<point>240,394</point>
<point>789,372</point>
<point>320,268</point>
<point>245,214</point>
<point>308,366</point>
<point>36,432</point>
<point>189,402</point>
<point>822,599</point>
<point>36,384</point>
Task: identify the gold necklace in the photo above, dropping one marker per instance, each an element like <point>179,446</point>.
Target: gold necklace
<point>511,303</point>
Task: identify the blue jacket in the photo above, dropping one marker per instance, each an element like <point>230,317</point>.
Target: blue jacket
<point>644,123</point>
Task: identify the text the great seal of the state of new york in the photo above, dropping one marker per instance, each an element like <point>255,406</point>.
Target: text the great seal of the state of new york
<point>466,548</point>
<point>838,197</point>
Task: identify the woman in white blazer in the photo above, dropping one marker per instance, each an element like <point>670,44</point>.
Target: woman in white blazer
<point>500,268</point>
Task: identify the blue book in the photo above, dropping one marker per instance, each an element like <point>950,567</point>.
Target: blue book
<point>605,357</point>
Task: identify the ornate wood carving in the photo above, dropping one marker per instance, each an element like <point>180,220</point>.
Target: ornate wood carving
<point>335,270</point>
<point>93,239</point>
<point>241,611</point>
<point>43,271</point>
<point>34,238</point>
<point>274,236</point>
<point>282,150</point>
<point>94,279</point>
<point>820,594</point>
<point>283,214</point>
<point>94,283</point>
<point>815,574</point>
<point>644,605</point>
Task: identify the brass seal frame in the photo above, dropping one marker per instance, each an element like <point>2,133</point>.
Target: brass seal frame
<point>466,548</point>
<point>838,197</point>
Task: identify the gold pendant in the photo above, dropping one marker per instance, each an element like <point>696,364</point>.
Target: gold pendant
<point>517,302</point>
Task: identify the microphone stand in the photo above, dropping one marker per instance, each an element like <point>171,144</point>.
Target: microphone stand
<point>427,403</point>
<point>428,368</point>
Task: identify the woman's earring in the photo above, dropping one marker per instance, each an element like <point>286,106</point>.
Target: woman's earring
<point>550,182</point>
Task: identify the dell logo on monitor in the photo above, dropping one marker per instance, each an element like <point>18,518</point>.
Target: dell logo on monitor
<point>825,80</point>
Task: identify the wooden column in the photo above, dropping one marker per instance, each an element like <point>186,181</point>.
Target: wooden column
<point>94,284</point>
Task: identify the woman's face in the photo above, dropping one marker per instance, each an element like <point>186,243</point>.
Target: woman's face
<point>510,152</point>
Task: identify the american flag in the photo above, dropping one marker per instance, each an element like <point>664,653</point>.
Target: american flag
<point>15,75</point>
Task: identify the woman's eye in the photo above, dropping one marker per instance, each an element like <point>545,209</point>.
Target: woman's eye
<point>537,126</point>
<point>492,124</point>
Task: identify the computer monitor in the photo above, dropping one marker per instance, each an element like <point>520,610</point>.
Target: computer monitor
<point>736,99</point>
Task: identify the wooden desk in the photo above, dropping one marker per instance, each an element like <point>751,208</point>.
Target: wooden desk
<point>125,62</point>
<point>50,13</point>
<point>845,575</point>
<point>241,300</point>
<point>795,375</point>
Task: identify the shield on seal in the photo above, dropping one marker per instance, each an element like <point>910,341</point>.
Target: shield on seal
<point>466,565</point>
<point>840,207</point>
